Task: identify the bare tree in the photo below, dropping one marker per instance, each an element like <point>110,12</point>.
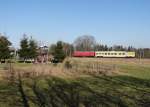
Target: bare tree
<point>85,43</point>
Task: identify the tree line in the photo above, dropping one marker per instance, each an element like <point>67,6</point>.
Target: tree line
<point>29,48</point>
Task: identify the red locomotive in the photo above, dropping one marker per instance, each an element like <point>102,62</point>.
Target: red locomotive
<point>83,54</point>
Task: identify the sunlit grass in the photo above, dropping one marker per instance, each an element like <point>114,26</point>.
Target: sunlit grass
<point>136,71</point>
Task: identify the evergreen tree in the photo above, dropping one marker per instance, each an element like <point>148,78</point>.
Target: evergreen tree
<point>4,48</point>
<point>32,49</point>
<point>24,48</point>
<point>59,52</point>
<point>52,49</point>
<point>105,48</point>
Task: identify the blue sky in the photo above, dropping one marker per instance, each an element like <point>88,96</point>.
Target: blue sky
<point>125,22</point>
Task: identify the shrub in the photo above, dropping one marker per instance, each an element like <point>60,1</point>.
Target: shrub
<point>68,65</point>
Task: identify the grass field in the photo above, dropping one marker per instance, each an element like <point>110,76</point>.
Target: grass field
<point>130,67</point>
<point>58,86</point>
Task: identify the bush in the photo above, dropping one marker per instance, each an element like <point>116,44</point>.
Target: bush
<point>68,65</point>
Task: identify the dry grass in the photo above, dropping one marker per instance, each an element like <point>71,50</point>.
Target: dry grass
<point>79,67</point>
<point>37,70</point>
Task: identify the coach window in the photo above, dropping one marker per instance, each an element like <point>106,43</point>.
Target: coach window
<point>112,53</point>
<point>119,53</point>
<point>115,53</point>
<point>123,54</point>
<point>108,53</point>
<point>105,53</point>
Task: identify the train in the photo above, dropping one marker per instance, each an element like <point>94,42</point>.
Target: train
<point>104,54</point>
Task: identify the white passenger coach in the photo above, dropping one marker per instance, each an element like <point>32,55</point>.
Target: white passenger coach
<point>115,54</point>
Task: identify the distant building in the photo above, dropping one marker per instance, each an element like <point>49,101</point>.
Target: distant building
<point>42,54</point>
